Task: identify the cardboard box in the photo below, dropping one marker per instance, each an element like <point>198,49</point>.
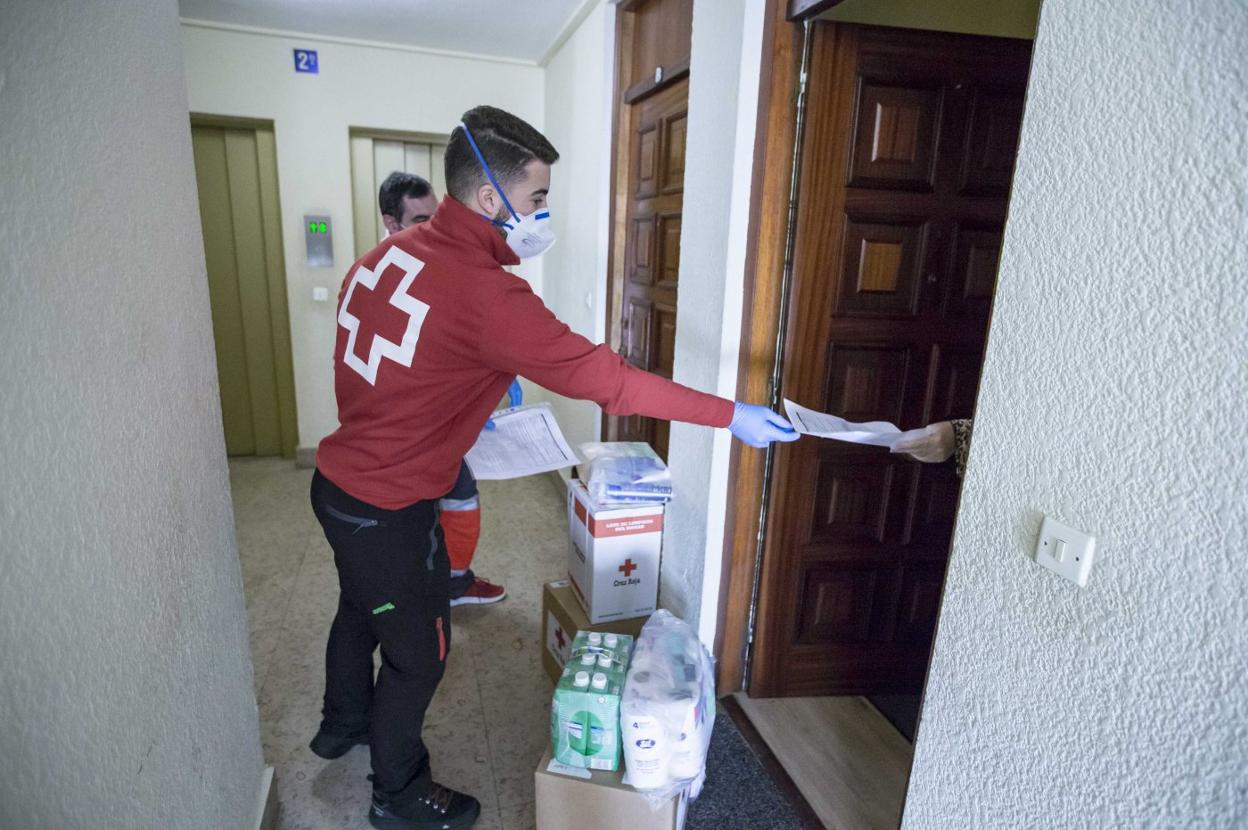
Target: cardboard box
<point>613,558</point>
<point>563,618</point>
<point>574,799</point>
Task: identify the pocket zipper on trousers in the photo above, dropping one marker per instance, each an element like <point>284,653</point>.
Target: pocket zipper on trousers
<point>359,522</point>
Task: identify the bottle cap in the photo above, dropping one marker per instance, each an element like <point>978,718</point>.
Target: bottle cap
<point>600,680</point>
<point>604,661</point>
<point>595,639</point>
<point>612,641</point>
<point>581,680</point>
<point>587,659</point>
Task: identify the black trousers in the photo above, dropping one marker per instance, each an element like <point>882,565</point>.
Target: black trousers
<point>393,574</point>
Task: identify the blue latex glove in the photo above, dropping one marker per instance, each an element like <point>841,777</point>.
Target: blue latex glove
<point>758,426</point>
<point>515,395</point>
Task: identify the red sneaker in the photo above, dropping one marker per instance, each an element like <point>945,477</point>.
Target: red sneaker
<point>480,592</point>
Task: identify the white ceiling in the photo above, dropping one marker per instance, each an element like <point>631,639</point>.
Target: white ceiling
<point>518,29</point>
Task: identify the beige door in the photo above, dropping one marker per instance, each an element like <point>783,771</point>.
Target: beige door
<point>375,155</point>
<point>236,167</point>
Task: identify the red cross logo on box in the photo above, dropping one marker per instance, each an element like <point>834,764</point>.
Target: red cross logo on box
<point>628,567</point>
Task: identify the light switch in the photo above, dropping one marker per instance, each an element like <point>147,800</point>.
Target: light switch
<point>1059,550</point>
<point>1065,551</point>
<point>320,294</point>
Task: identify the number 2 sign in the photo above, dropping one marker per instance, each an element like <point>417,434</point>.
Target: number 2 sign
<point>305,61</point>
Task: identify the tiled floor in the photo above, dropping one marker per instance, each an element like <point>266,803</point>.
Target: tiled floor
<point>489,722</point>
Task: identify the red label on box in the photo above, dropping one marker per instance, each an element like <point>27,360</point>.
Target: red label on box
<point>599,528</point>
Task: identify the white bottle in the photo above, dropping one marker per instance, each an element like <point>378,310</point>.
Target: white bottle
<point>587,659</point>
<point>604,661</point>
<point>686,748</point>
<point>611,641</point>
<point>600,680</point>
<point>645,752</point>
<point>595,639</point>
<point>581,680</point>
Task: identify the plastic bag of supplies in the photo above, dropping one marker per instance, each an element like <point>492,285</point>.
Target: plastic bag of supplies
<point>667,710</point>
<point>622,472</point>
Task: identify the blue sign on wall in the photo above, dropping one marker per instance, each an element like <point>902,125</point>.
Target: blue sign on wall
<point>305,61</point>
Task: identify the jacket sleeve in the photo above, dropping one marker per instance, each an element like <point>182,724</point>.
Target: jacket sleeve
<point>521,336</point>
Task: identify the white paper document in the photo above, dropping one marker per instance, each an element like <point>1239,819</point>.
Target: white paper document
<point>822,425</point>
<point>525,441</point>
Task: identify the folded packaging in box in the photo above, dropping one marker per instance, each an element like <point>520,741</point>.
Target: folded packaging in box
<point>575,799</point>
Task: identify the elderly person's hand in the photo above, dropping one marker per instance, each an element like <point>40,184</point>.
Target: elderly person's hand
<point>931,444</point>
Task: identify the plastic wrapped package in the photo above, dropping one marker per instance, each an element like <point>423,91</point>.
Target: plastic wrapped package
<point>623,472</point>
<point>667,710</point>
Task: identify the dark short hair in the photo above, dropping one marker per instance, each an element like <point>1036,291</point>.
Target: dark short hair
<point>507,142</point>
<point>395,187</point>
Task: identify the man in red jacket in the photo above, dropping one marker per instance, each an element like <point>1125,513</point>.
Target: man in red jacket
<point>431,332</point>
<point>406,199</point>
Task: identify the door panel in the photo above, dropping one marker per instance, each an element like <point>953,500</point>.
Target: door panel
<point>652,258</point>
<point>883,259</point>
<point>648,182</point>
<point>373,158</point>
<point>212,174</point>
<point>895,137</point>
<point>237,184</point>
<point>906,164</point>
<point>866,381</point>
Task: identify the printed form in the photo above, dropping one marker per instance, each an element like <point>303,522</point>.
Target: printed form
<point>525,441</point>
<point>822,425</point>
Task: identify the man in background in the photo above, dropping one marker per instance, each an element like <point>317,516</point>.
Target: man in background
<point>406,200</point>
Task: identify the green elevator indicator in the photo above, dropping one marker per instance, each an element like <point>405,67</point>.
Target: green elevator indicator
<point>318,227</point>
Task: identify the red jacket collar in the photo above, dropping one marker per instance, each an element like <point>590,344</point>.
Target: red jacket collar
<point>485,244</point>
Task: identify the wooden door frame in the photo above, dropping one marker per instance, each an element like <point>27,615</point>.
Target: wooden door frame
<point>279,299</point>
<point>760,322</point>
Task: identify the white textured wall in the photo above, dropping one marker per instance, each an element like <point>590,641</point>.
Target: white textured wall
<point>1113,398</point>
<point>723,105</point>
<point>579,78</point>
<point>125,684</point>
<point>252,75</point>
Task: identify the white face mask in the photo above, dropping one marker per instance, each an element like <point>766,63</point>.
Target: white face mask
<point>528,236</point>
<point>531,235</point>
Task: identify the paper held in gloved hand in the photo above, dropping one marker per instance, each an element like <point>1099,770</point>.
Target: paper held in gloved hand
<point>525,441</point>
<point>822,425</point>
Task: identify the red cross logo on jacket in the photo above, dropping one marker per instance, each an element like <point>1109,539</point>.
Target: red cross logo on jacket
<point>373,310</point>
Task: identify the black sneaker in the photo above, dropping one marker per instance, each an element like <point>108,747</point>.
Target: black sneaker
<point>330,746</point>
<point>441,809</point>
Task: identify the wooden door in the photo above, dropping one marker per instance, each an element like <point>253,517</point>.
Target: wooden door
<point>236,171</point>
<point>648,195</point>
<point>652,254</point>
<point>907,159</point>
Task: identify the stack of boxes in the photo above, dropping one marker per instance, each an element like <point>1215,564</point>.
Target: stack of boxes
<point>613,574</point>
<point>589,624</point>
<point>581,781</point>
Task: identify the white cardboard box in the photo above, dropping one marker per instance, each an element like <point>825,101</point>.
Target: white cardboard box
<point>613,558</point>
